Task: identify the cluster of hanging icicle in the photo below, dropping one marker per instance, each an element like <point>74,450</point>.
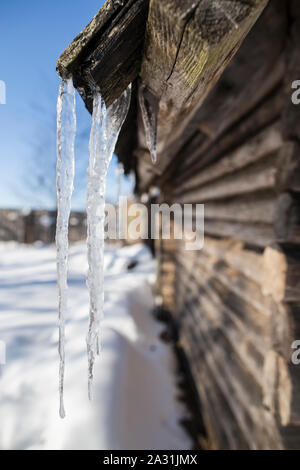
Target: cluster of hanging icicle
<point>106,125</point>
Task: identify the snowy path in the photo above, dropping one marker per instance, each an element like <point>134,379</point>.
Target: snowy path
<point>134,403</point>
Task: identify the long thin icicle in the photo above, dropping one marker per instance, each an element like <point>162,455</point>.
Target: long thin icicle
<point>149,116</point>
<point>66,131</point>
<point>120,173</point>
<point>106,125</point>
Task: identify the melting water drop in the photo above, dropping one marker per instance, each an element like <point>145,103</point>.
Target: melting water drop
<point>149,109</point>
<point>66,131</point>
<point>106,125</point>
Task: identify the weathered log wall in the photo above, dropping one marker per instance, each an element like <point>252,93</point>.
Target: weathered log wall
<point>236,302</point>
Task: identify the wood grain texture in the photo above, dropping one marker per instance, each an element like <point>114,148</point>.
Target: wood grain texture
<point>200,151</point>
<point>287,219</point>
<point>107,53</point>
<point>268,141</point>
<point>188,45</point>
<point>281,274</point>
<point>80,47</point>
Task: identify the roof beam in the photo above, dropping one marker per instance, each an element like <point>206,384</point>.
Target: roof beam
<point>187,47</point>
<point>107,54</point>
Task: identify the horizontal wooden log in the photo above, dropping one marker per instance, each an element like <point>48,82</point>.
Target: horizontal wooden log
<point>281,318</point>
<point>256,177</point>
<point>266,376</point>
<point>199,152</point>
<point>281,277</point>
<point>256,235</point>
<point>248,412</point>
<point>249,291</point>
<point>245,261</point>
<point>107,54</point>
<point>258,222</point>
<point>249,209</point>
<point>231,338</point>
<point>245,317</point>
<point>216,338</point>
<point>287,219</point>
<point>266,142</point>
<point>220,422</point>
<point>239,342</point>
<point>254,316</point>
<point>216,370</point>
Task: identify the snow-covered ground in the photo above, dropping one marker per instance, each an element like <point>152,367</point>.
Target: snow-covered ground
<point>134,404</point>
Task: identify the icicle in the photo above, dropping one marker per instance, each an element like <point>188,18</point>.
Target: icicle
<point>66,131</point>
<point>106,125</point>
<point>120,173</point>
<point>149,115</point>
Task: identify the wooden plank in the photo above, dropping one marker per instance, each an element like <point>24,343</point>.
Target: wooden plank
<point>246,409</point>
<point>202,150</point>
<point>236,283</point>
<point>254,316</point>
<point>281,274</point>
<point>83,43</point>
<point>256,148</point>
<point>282,318</point>
<point>107,53</point>
<point>231,337</point>
<point>238,341</point>
<point>245,317</point>
<point>247,209</point>
<point>259,176</point>
<point>188,45</point>
<point>216,370</point>
<point>219,421</point>
<point>247,262</point>
<point>255,235</point>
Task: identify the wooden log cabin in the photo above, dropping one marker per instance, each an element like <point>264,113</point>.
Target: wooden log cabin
<point>218,77</point>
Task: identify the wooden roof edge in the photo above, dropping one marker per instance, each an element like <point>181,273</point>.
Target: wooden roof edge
<point>187,48</point>
<point>83,42</point>
<point>109,54</point>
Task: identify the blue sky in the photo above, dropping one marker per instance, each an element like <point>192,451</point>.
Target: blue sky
<point>33,34</point>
